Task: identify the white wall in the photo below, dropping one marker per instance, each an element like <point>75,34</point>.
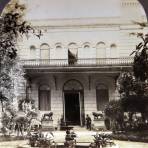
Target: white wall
<point>120,36</point>
<point>80,21</point>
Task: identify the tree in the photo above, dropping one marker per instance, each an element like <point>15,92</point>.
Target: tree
<point>125,83</point>
<point>140,66</point>
<point>12,27</point>
<point>133,86</point>
<point>115,113</point>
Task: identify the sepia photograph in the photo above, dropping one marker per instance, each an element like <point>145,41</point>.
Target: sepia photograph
<point>73,74</point>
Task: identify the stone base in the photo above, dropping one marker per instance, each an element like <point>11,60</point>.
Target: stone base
<point>47,125</point>
<point>99,125</point>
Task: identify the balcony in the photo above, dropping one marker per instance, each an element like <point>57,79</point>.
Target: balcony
<point>89,62</point>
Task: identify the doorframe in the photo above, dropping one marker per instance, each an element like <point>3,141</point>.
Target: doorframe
<point>80,104</point>
<point>46,87</point>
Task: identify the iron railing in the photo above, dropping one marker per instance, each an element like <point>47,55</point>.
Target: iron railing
<point>122,61</point>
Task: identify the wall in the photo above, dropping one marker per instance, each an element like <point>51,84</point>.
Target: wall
<point>57,91</point>
<point>66,25</point>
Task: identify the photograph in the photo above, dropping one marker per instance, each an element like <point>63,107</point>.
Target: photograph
<point>73,74</point>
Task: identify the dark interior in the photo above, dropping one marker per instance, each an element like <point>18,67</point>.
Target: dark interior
<point>72,108</point>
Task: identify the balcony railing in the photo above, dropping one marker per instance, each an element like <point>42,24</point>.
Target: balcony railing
<point>122,61</point>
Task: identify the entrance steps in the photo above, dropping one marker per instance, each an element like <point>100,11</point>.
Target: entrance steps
<point>79,128</point>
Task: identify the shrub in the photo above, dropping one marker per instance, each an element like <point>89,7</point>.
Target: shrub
<point>114,112</point>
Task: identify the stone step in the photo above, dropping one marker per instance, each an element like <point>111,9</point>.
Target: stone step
<point>79,128</point>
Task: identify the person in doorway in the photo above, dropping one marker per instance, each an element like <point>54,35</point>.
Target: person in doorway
<point>88,122</point>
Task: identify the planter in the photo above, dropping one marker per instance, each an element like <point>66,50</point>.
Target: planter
<point>47,125</point>
<point>98,124</point>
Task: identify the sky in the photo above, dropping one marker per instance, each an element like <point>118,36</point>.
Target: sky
<point>57,9</point>
<point>65,9</point>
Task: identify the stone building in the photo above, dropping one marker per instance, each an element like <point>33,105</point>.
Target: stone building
<point>73,67</point>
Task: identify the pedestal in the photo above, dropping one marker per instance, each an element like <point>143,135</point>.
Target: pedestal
<point>99,124</point>
<point>47,125</point>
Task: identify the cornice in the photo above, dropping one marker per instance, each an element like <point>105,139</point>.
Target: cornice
<point>101,27</point>
<point>75,21</point>
<point>82,23</point>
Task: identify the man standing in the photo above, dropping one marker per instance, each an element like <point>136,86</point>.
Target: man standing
<point>88,122</point>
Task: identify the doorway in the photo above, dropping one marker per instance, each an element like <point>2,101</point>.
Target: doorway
<point>72,108</point>
<point>44,98</point>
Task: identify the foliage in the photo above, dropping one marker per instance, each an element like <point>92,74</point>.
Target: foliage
<point>128,84</point>
<point>115,113</point>
<point>28,107</point>
<point>39,139</point>
<point>12,27</point>
<point>102,140</point>
<point>135,83</point>
<point>134,103</point>
<point>7,118</point>
<point>11,117</point>
<point>132,87</point>
<point>113,109</point>
<point>2,99</point>
<point>140,67</point>
<point>125,83</point>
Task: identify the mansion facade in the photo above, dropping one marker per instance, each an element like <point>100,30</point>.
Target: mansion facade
<point>72,69</point>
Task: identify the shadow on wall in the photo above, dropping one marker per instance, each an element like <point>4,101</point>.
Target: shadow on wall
<point>143,2</point>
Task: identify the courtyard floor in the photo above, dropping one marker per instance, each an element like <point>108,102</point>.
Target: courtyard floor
<point>83,138</point>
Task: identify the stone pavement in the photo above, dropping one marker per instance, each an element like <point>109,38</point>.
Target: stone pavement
<point>83,137</point>
<point>24,144</point>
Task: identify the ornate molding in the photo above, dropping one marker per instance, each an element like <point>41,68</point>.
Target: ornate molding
<point>130,2</point>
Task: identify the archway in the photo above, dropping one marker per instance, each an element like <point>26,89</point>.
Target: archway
<point>73,103</point>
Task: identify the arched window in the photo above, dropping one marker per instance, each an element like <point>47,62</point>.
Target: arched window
<point>44,51</point>
<point>72,53</point>
<point>102,96</point>
<point>113,51</point>
<point>32,52</point>
<point>101,50</point>
<point>85,51</point>
<point>86,45</point>
<point>44,98</point>
<point>72,85</point>
<point>58,46</point>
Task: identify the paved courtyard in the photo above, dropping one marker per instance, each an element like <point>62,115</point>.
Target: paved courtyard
<point>24,144</point>
<point>83,137</point>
